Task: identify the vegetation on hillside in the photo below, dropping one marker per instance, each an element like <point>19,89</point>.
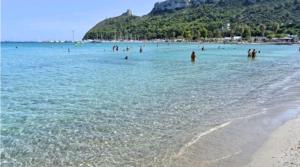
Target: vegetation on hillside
<point>269,18</point>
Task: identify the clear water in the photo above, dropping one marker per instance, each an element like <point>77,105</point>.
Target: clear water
<point>91,107</point>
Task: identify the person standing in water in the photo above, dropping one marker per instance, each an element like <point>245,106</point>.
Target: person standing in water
<point>141,49</point>
<point>249,53</point>
<point>253,53</point>
<point>193,57</point>
<point>203,48</point>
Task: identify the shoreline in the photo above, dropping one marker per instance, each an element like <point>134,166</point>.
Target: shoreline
<point>163,41</point>
<point>248,142</point>
<point>282,148</point>
<point>238,144</point>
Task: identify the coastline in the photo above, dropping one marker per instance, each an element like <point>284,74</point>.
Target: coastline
<point>262,140</point>
<point>281,149</point>
<point>164,41</point>
<point>243,141</point>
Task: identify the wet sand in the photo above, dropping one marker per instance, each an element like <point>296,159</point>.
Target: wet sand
<point>270,138</point>
<point>281,149</point>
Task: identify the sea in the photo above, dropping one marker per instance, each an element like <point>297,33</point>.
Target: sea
<point>65,104</point>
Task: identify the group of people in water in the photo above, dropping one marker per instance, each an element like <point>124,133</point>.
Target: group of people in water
<point>116,48</point>
<point>252,53</point>
<point>193,56</point>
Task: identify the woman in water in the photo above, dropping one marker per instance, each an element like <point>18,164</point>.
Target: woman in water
<point>249,53</point>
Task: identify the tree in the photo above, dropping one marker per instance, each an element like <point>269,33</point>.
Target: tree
<point>262,29</point>
<point>275,27</point>
<point>187,34</point>
<point>240,30</point>
<point>204,32</point>
<point>247,33</point>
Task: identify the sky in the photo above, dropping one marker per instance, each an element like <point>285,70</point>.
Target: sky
<point>42,20</point>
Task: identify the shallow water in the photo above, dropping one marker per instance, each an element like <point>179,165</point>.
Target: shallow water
<point>92,107</point>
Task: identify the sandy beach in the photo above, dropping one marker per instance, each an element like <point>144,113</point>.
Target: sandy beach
<point>282,149</point>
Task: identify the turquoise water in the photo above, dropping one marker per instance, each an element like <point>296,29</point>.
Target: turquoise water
<point>91,107</point>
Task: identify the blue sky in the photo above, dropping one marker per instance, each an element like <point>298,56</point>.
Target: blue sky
<point>26,20</point>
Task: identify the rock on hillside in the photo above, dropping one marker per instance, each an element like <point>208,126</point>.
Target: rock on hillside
<point>171,5</point>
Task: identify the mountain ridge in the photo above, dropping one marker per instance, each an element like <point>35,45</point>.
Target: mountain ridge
<point>171,5</point>
<point>208,19</point>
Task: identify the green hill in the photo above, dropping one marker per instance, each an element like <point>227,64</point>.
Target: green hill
<point>197,19</point>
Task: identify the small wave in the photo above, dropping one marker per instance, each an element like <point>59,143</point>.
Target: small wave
<point>199,136</point>
<point>285,81</point>
<point>252,115</point>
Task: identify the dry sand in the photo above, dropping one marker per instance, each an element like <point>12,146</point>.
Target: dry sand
<point>282,149</point>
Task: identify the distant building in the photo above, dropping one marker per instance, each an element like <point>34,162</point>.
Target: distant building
<point>237,38</point>
<point>228,27</point>
<point>283,40</point>
<point>234,38</point>
<point>259,39</point>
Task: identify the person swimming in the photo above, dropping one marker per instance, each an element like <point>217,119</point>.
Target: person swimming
<point>127,48</point>
<point>203,48</point>
<point>126,58</point>
<point>193,56</point>
<point>249,53</point>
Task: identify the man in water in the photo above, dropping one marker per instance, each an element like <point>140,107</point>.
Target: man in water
<point>253,53</point>
<point>203,48</point>
<point>126,57</point>
<point>193,56</point>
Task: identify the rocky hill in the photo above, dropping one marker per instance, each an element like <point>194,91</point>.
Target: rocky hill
<point>195,19</point>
